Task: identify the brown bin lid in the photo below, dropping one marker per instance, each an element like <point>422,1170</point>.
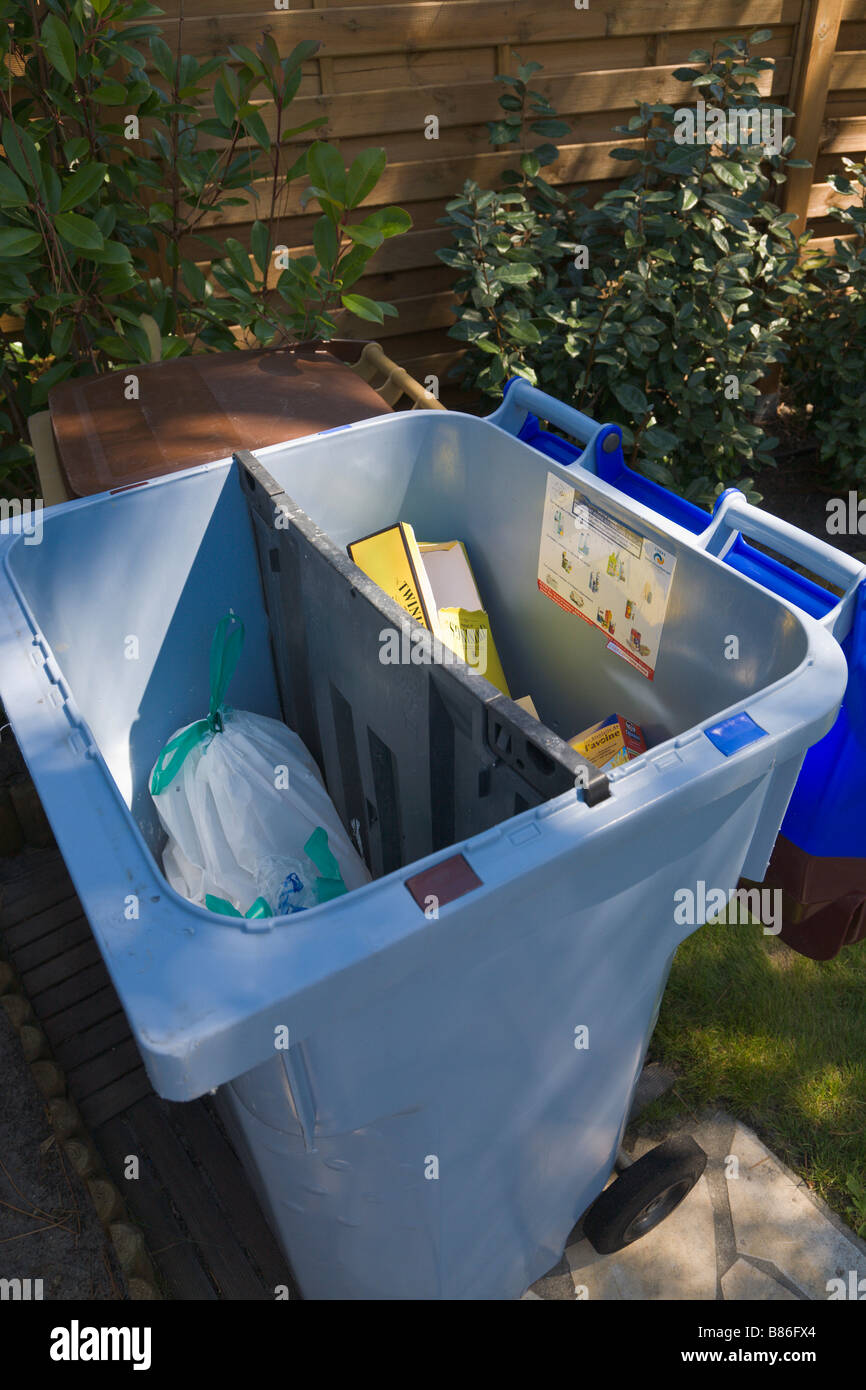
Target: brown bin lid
<point>197,409</point>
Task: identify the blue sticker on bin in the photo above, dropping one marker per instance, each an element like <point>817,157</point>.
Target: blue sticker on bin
<point>734,733</point>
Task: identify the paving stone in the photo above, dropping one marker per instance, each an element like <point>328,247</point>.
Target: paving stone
<point>744,1281</point>
<point>775,1219</point>
<point>594,1276</point>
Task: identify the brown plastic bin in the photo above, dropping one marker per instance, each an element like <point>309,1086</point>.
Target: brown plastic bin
<point>824,899</point>
<point>155,418</point>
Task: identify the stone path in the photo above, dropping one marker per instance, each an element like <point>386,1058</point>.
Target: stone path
<point>750,1229</point>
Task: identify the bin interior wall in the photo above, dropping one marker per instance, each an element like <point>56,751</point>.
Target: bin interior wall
<point>453,477</point>
<point>162,564</point>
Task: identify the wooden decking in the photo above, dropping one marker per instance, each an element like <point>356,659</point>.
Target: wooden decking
<point>202,1225</point>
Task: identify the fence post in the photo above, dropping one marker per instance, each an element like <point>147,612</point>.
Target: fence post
<point>808,101</point>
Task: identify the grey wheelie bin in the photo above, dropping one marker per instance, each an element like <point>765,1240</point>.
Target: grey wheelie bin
<point>428,1078</point>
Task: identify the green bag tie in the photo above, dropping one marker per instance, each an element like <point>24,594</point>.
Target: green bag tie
<point>330,883</point>
<point>259,908</point>
<point>225,650</point>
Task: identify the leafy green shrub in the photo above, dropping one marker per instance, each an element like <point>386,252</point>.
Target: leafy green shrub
<point>513,248</point>
<point>272,309</point>
<point>107,169</point>
<point>827,369</point>
<point>661,307</point>
<point>311,287</point>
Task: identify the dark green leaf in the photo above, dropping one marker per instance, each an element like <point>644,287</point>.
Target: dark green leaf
<point>81,185</point>
<point>299,167</point>
<point>246,55</point>
<point>730,173</point>
<point>13,194</point>
<point>658,441</point>
<point>112,253</point>
<point>61,337</point>
<point>80,232</point>
<point>517,273</point>
<point>22,154</point>
<point>194,279</point>
<point>240,260</point>
<point>364,235</point>
<point>59,47</point>
<point>363,307</point>
<point>112,93</point>
<point>163,59</point>
<point>632,399</point>
<point>256,128</point>
<point>259,244</point>
<point>301,53</point>
<point>551,130</point>
<point>325,242</point>
<point>364,174</point>
<point>18,241</point>
<point>389,221</point>
<point>223,104</point>
<point>327,171</point>
<point>352,265</point>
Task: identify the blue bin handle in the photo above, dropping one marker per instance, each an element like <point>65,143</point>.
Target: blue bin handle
<point>733,515</point>
<point>521,398</point>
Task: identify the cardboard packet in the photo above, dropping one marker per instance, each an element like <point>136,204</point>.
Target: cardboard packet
<point>610,742</point>
<point>434,582</point>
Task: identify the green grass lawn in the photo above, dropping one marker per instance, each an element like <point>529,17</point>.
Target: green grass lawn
<point>780,1042</point>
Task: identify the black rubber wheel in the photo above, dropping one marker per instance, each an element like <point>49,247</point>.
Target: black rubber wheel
<point>644,1194</point>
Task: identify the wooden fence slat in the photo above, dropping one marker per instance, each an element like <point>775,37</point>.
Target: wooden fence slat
<point>360,28</point>
<point>845,136</point>
<point>589,93</point>
<point>847,71</point>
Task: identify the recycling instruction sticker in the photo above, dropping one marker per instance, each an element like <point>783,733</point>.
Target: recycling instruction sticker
<point>606,573</point>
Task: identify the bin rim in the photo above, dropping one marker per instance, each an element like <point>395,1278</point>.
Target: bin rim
<point>184,1059</point>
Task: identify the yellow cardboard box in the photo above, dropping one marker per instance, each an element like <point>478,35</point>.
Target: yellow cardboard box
<point>435,584</point>
<point>610,742</point>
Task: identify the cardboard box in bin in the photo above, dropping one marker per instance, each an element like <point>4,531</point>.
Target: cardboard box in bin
<point>434,582</point>
<point>610,742</point>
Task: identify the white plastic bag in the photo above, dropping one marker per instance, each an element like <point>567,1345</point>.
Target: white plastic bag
<point>251,828</point>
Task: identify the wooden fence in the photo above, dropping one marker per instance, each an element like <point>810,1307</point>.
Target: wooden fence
<point>384,68</point>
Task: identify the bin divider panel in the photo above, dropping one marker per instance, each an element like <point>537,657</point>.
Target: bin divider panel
<point>416,755</point>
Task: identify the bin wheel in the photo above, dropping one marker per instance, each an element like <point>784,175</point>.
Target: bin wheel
<point>644,1194</point>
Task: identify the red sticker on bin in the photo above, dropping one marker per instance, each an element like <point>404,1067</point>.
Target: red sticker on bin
<point>449,879</point>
